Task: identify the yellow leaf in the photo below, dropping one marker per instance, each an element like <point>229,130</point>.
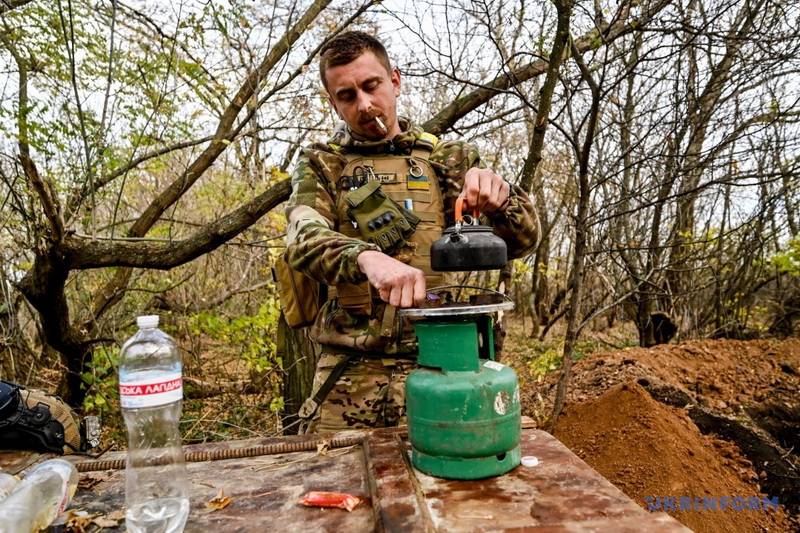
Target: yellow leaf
<point>220,501</point>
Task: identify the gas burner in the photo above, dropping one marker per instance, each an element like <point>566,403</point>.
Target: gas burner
<point>458,309</point>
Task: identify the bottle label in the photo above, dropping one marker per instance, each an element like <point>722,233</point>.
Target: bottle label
<point>65,495</point>
<point>163,389</point>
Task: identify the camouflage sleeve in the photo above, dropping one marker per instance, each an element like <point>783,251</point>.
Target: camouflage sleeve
<point>517,223</point>
<point>312,246</point>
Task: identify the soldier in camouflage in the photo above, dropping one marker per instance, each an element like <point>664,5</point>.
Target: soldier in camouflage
<point>357,327</point>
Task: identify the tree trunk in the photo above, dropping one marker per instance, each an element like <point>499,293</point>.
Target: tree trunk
<point>44,287</point>
<point>539,288</point>
<point>299,355</point>
<point>721,322</point>
<point>564,9</point>
<point>576,280</point>
<point>15,354</point>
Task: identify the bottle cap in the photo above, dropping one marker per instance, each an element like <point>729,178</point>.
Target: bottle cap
<point>147,321</point>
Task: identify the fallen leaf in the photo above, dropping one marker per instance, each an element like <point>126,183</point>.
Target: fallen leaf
<point>220,501</point>
<point>105,522</point>
<point>78,521</point>
<point>88,482</point>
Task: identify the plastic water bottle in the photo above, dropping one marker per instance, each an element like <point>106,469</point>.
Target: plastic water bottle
<point>151,393</point>
<point>39,498</point>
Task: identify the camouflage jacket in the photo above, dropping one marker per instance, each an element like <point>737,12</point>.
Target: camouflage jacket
<point>316,248</point>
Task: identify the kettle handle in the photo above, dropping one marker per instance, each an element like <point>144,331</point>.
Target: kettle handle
<point>460,208</point>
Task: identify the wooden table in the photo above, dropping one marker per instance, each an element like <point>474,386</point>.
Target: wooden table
<point>561,493</point>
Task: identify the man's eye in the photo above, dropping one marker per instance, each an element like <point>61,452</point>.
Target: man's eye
<point>370,85</point>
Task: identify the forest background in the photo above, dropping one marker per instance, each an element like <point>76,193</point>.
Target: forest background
<point>145,149</point>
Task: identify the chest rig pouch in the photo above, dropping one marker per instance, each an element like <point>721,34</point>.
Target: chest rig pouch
<point>379,219</point>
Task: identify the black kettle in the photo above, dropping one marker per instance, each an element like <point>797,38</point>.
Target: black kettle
<point>468,245</point>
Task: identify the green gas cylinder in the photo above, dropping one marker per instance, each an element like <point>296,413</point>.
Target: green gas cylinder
<point>463,407</point>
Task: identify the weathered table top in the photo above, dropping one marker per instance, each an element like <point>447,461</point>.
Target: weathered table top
<point>560,493</point>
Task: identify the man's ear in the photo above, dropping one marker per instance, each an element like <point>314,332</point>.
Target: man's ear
<point>396,81</point>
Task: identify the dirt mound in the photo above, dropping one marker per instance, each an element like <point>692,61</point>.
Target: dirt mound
<point>650,451</point>
<point>760,377</point>
<point>723,373</point>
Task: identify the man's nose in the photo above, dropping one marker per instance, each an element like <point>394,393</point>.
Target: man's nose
<point>364,103</point>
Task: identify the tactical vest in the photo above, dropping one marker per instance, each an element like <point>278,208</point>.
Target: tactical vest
<point>403,177</point>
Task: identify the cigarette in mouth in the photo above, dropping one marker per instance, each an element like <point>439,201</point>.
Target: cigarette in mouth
<point>381,125</point>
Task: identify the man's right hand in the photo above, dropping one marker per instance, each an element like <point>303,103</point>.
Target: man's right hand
<point>398,284</point>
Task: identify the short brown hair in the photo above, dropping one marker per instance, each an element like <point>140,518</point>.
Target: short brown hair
<point>347,47</point>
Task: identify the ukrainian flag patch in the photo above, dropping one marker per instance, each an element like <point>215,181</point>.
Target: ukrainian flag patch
<point>417,183</point>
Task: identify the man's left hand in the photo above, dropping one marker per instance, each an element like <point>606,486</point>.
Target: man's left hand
<point>484,190</point>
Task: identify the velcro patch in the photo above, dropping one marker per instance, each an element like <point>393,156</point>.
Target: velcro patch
<point>386,177</point>
<point>417,183</point>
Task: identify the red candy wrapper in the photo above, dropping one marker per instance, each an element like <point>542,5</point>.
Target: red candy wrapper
<point>330,499</point>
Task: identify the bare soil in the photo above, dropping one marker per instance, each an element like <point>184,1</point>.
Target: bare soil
<point>651,450</point>
<point>726,375</point>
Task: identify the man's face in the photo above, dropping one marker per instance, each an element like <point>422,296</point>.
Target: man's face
<point>362,90</point>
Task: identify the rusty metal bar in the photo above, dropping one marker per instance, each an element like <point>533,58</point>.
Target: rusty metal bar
<point>306,445</point>
<point>237,453</point>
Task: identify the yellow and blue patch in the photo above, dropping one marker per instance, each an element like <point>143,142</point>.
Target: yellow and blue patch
<point>417,183</point>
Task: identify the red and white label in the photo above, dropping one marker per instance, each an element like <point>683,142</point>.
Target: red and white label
<point>166,389</point>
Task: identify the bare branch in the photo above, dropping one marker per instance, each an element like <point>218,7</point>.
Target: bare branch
<point>113,290</point>
<point>178,187</point>
<point>564,8</point>
<point>88,253</point>
<point>446,118</point>
<point>69,43</point>
<point>44,190</point>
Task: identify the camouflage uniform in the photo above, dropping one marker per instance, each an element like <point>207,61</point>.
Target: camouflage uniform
<point>370,392</point>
